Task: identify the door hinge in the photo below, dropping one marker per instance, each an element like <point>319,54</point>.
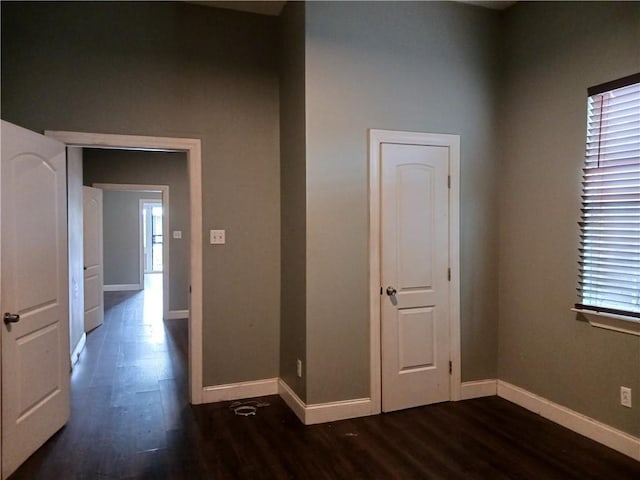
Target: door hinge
<point>189,288</point>
<point>449,181</point>
<point>449,274</point>
<point>380,290</point>
<point>450,367</point>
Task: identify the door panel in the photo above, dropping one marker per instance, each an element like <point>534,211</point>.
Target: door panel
<point>414,225</point>
<point>34,273</point>
<point>415,258</point>
<point>35,384</point>
<point>415,337</point>
<point>34,290</point>
<point>93,266</point>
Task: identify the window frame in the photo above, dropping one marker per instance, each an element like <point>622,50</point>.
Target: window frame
<point>598,315</point>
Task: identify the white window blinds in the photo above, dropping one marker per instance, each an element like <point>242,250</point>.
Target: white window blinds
<point>610,222</point>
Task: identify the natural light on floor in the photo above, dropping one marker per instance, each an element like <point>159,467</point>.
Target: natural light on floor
<point>152,307</point>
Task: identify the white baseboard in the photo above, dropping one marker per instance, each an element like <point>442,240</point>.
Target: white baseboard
<point>324,412</point>
<point>478,388</point>
<point>334,411</point>
<point>235,391</point>
<point>125,287</point>
<point>292,400</point>
<point>579,423</point>
<point>75,355</point>
<point>176,314</point>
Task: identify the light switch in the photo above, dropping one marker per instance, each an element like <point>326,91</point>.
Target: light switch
<point>217,237</point>
<point>177,234</point>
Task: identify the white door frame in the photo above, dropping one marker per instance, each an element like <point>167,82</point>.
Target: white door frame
<point>192,147</point>
<point>164,190</point>
<point>376,138</point>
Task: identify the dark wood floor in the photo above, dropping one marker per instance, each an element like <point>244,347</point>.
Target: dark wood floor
<point>131,419</point>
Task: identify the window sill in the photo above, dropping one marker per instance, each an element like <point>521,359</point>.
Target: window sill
<point>611,321</point>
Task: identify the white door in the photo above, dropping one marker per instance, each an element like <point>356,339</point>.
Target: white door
<point>414,273</point>
<point>93,268</point>
<point>34,295</point>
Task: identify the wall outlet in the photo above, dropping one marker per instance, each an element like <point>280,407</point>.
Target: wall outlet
<point>625,397</point>
<point>299,368</point>
<point>217,237</point>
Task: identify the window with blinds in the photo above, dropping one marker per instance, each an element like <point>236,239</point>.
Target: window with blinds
<point>610,222</point>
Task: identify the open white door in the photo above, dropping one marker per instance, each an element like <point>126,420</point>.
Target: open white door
<point>34,295</point>
<point>93,268</point>
<point>414,270</point>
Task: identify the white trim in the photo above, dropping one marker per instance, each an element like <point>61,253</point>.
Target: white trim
<point>142,259</point>
<point>123,287</point>
<point>374,272</point>
<point>2,123</point>
<point>176,314</point>
<point>376,138</point>
<point>235,391</point>
<point>611,321</point>
<point>333,411</point>
<point>453,141</point>
<point>579,423</point>
<point>292,400</point>
<point>75,355</point>
<point>193,149</point>
<point>478,388</point>
<point>324,412</point>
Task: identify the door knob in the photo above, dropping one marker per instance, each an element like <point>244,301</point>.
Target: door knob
<point>391,291</point>
<point>11,318</point>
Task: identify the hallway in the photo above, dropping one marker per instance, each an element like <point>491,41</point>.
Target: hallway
<point>129,397</point>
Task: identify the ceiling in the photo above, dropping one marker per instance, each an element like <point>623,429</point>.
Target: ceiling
<point>494,4</point>
<point>266,7</point>
<point>274,7</point>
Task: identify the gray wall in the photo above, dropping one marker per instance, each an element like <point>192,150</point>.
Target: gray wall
<point>179,70</point>
<point>147,168</point>
<point>293,196</point>
<point>121,236</point>
<point>554,52</point>
<point>428,67</point>
<point>76,250</point>
<point>183,70</point>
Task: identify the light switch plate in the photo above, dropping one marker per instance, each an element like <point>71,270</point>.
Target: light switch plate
<point>177,234</point>
<point>217,237</point>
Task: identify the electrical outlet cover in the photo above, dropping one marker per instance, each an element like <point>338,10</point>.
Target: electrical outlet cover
<point>217,237</point>
<point>625,397</point>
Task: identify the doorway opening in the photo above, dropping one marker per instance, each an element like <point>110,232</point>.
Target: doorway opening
<point>136,230</point>
<point>152,238</point>
<point>192,149</point>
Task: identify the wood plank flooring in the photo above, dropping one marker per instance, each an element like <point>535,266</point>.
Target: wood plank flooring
<point>131,420</point>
